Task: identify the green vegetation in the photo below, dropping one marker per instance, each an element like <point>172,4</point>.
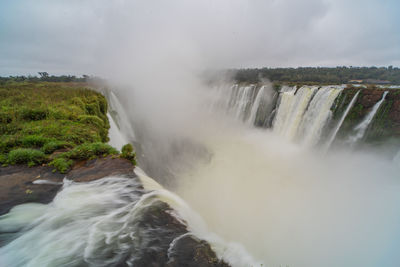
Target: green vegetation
<point>62,164</point>
<point>45,77</point>
<point>53,123</point>
<point>52,146</point>
<point>26,155</point>
<point>381,127</point>
<point>127,153</point>
<point>319,75</point>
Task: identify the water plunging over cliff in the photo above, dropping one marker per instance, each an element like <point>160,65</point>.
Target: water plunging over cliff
<point>301,114</point>
<point>362,127</point>
<point>342,118</point>
<point>255,106</point>
<point>119,117</point>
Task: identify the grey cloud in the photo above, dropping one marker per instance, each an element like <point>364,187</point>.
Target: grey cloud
<point>94,36</point>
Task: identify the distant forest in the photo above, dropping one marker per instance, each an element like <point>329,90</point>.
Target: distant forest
<point>338,75</point>
<point>45,77</point>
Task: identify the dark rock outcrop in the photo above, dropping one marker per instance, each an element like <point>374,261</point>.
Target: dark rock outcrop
<point>17,182</point>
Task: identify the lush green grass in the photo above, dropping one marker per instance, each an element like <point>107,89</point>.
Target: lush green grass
<point>39,118</point>
<point>26,155</point>
<point>65,160</point>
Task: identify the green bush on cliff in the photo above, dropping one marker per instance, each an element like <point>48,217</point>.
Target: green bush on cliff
<point>90,150</point>
<point>34,141</point>
<point>34,114</point>
<point>3,159</point>
<point>127,153</point>
<point>26,155</point>
<point>52,146</point>
<point>62,164</point>
<point>64,161</point>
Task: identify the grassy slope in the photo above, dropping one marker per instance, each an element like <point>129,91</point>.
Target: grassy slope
<point>37,119</point>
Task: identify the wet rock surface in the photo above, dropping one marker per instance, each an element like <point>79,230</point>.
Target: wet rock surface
<point>17,182</point>
<point>171,245</point>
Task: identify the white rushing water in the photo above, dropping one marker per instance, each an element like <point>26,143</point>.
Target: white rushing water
<point>292,106</point>
<point>117,138</point>
<point>342,118</point>
<point>84,225</point>
<point>317,115</point>
<point>256,106</point>
<point>120,118</point>
<point>362,127</point>
<point>302,114</point>
<point>242,100</point>
<point>99,223</point>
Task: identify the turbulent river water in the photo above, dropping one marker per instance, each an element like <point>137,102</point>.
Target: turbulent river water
<point>270,197</point>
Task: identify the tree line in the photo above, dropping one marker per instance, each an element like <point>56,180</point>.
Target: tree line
<point>338,75</point>
<point>45,77</point>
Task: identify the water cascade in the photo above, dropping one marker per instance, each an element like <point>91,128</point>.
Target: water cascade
<point>300,114</point>
<point>101,223</point>
<point>337,127</point>
<point>117,138</point>
<point>255,106</point>
<point>242,100</point>
<point>318,114</point>
<point>120,117</point>
<point>291,109</point>
<point>362,127</point>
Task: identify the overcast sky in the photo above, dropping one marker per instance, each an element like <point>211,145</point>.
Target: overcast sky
<point>102,36</point>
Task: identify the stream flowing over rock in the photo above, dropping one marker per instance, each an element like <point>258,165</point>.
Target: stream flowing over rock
<point>103,216</point>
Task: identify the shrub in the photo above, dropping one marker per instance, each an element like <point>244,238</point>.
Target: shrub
<point>9,128</point>
<point>127,153</point>
<point>8,143</point>
<point>57,114</point>
<point>3,159</point>
<point>62,164</point>
<point>26,155</point>
<point>34,114</point>
<point>90,150</point>
<point>78,102</point>
<point>103,104</point>
<point>52,146</point>
<point>91,119</point>
<point>5,117</point>
<point>92,109</point>
<point>34,141</point>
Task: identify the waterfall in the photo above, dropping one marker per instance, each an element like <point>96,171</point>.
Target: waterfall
<point>291,108</point>
<point>318,114</point>
<point>117,139</point>
<point>336,129</point>
<point>362,127</point>
<point>120,118</point>
<point>300,114</point>
<point>255,106</point>
<point>242,101</point>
